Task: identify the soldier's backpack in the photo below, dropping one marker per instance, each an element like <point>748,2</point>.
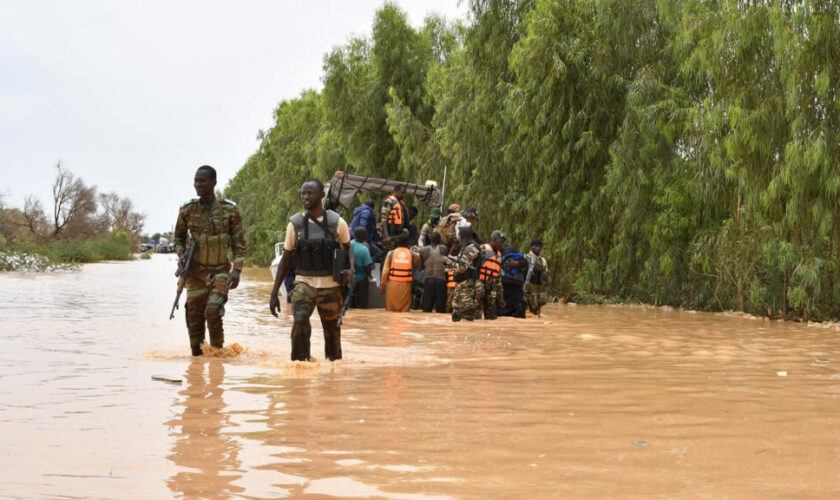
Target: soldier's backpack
<point>446,229</point>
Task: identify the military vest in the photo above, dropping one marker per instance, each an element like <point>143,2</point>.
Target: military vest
<point>211,250</point>
<point>314,252</point>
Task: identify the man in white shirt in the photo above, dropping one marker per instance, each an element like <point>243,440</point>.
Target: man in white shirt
<point>311,240</point>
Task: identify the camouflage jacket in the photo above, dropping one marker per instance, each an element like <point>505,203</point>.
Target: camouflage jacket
<point>541,265</point>
<point>223,218</point>
<point>468,254</point>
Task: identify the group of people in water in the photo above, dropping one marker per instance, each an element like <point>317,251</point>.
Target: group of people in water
<point>445,265</point>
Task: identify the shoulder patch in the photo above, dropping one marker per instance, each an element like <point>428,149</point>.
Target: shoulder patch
<point>189,202</point>
<point>229,202</point>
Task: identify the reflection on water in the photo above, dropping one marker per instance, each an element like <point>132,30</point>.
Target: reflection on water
<point>200,444</point>
<point>585,402</point>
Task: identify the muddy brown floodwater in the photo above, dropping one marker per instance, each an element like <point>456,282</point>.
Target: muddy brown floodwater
<point>585,402</point>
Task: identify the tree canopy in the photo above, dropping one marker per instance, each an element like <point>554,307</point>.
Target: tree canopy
<point>669,152</point>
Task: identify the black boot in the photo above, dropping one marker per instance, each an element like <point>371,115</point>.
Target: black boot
<point>196,350</point>
<point>456,317</point>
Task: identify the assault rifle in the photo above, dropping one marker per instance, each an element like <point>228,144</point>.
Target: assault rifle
<point>347,300</point>
<point>182,272</point>
<point>456,260</point>
<point>530,271</point>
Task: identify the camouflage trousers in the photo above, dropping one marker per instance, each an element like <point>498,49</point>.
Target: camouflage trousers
<point>207,290</point>
<point>489,301</point>
<point>466,298</point>
<point>535,298</point>
<point>328,301</point>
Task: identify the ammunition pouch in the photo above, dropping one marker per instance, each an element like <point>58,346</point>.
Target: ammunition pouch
<point>317,252</point>
<point>315,257</point>
<point>212,250</point>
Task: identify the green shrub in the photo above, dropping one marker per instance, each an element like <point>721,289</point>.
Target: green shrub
<point>116,246</point>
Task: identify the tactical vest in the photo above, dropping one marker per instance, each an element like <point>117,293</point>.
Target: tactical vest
<point>316,243</point>
<point>212,250</point>
<point>400,266</point>
<point>492,264</point>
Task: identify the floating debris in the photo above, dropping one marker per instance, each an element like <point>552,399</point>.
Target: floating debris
<point>823,360</point>
<point>640,443</point>
<point>167,379</point>
<point>782,373</point>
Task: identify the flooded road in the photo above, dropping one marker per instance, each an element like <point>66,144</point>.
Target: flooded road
<point>585,402</point>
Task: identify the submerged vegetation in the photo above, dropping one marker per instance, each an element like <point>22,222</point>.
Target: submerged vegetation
<point>31,256</point>
<point>668,151</point>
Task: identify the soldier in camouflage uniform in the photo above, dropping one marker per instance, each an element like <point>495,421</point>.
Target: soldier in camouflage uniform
<point>469,289</point>
<point>490,277</point>
<point>217,228</point>
<point>534,294</point>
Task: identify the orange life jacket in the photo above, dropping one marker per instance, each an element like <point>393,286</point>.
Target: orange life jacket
<point>492,264</point>
<point>400,267</point>
<point>450,279</point>
<point>395,216</point>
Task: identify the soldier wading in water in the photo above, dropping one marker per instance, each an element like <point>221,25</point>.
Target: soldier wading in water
<point>217,229</point>
<point>311,239</point>
<point>469,287</point>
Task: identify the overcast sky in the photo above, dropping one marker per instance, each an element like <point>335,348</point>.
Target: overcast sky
<point>134,95</point>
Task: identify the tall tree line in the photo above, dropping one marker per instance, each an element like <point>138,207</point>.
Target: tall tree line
<point>680,152</point>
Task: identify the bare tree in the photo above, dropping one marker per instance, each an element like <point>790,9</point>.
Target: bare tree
<point>121,215</point>
<point>34,216</point>
<point>73,202</point>
<point>27,224</point>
